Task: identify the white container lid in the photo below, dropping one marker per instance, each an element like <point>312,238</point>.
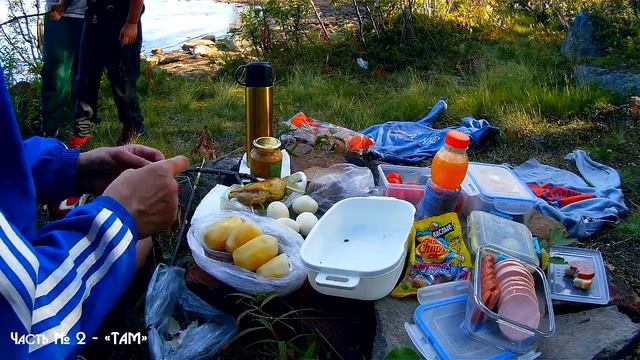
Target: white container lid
<point>561,286</point>
<point>498,181</point>
<point>361,236</point>
<point>512,237</point>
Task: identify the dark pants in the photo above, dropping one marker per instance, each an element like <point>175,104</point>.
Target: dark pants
<point>100,48</point>
<point>60,63</point>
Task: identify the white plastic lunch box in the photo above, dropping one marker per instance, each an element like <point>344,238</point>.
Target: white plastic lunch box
<point>358,248</point>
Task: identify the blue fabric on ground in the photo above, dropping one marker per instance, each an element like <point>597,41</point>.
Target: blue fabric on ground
<point>582,218</point>
<point>409,142</point>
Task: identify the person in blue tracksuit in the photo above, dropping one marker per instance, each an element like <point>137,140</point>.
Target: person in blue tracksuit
<point>58,283</point>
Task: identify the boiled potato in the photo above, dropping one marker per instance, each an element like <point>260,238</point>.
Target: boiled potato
<point>256,252</point>
<point>276,268</point>
<point>216,235</point>
<point>241,235</point>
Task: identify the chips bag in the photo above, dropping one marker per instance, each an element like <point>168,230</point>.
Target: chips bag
<point>437,254</point>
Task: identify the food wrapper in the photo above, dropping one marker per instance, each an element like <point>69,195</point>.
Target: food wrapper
<point>437,255</point>
<point>333,137</point>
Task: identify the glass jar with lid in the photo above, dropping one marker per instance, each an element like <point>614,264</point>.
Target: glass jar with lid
<point>266,158</point>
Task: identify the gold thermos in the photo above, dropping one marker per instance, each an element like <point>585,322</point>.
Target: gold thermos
<point>258,96</point>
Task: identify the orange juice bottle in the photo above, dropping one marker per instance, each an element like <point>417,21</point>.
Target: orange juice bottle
<point>449,166</point>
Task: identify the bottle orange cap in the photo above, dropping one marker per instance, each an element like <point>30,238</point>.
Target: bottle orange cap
<point>457,139</point>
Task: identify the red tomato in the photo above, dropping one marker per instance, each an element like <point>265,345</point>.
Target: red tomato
<point>393,180</point>
<point>394,175</point>
<point>360,143</point>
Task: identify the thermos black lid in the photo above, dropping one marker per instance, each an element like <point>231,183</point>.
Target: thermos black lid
<point>258,74</point>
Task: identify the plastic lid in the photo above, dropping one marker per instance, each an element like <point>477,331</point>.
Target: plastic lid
<point>457,139</point>
<point>512,237</point>
<point>561,286</point>
<point>441,321</point>
<point>499,181</point>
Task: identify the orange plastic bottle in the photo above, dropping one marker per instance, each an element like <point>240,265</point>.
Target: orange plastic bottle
<point>449,166</point>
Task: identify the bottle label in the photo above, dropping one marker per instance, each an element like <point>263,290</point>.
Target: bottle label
<point>275,169</point>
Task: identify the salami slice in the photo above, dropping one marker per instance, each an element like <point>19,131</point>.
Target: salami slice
<point>581,270</point>
<point>521,309</point>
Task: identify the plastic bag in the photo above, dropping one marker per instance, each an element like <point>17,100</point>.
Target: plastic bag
<point>181,325</point>
<point>338,182</point>
<point>219,264</point>
<point>328,135</point>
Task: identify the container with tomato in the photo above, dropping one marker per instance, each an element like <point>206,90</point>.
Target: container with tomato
<point>403,182</point>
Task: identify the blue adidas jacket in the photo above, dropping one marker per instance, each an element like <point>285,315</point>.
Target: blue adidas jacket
<point>61,281</point>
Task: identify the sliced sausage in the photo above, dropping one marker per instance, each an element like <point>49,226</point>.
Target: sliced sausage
<point>521,309</point>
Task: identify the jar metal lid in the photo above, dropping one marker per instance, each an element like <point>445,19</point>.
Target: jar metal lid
<point>267,143</point>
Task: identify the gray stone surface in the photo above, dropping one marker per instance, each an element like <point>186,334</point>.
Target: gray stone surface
<point>580,42</point>
<point>197,42</point>
<point>621,83</point>
<point>391,314</point>
<point>235,42</point>
<point>598,333</point>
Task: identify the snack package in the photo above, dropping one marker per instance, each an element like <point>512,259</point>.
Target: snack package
<point>437,254</point>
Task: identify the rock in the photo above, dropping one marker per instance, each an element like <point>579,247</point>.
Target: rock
<point>189,45</point>
<point>623,295</point>
<point>391,314</point>
<point>205,51</point>
<point>580,42</point>
<point>620,83</point>
<point>153,60</point>
<point>209,37</point>
<point>174,57</point>
<point>157,51</point>
<point>235,42</point>
<point>597,333</point>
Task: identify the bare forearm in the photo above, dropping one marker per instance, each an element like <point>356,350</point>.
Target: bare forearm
<point>135,9</point>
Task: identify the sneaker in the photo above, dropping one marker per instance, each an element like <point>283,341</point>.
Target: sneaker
<point>76,141</point>
<point>58,210</point>
<point>131,135</point>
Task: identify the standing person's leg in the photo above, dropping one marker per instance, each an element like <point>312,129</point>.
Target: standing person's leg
<point>123,72</point>
<point>61,42</point>
<point>87,82</point>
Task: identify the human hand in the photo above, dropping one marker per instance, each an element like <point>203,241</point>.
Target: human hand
<point>150,194</point>
<point>128,34</point>
<point>98,168</point>
<point>56,13</point>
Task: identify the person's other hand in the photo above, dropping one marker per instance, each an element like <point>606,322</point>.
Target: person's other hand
<point>150,194</point>
<point>98,168</point>
<point>128,34</point>
<point>55,13</point>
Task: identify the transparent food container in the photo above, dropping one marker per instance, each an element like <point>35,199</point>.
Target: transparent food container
<point>496,189</point>
<point>414,181</point>
<point>561,286</point>
<point>440,317</point>
<point>484,324</point>
<point>510,236</point>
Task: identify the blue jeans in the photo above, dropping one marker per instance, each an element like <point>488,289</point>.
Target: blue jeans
<point>100,49</point>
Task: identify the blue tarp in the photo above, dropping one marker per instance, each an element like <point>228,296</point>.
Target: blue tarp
<point>409,142</point>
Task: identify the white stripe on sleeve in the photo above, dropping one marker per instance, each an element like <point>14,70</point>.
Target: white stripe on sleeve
<point>51,309</point>
<point>18,269</point>
<point>56,276</point>
<point>16,301</point>
<point>18,243</point>
<point>74,316</point>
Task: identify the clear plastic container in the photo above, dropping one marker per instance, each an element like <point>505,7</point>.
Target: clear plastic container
<point>485,324</point>
<point>440,319</point>
<point>511,237</point>
<point>496,189</point>
<point>561,286</point>
<point>414,181</point>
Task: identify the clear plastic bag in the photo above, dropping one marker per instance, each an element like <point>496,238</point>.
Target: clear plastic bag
<point>338,182</point>
<point>181,325</point>
<point>219,265</point>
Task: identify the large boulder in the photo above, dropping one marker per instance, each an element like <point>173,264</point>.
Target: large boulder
<point>620,83</point>
<point>205,51</point>
<point>580,42</point>
<point>235,42</point>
